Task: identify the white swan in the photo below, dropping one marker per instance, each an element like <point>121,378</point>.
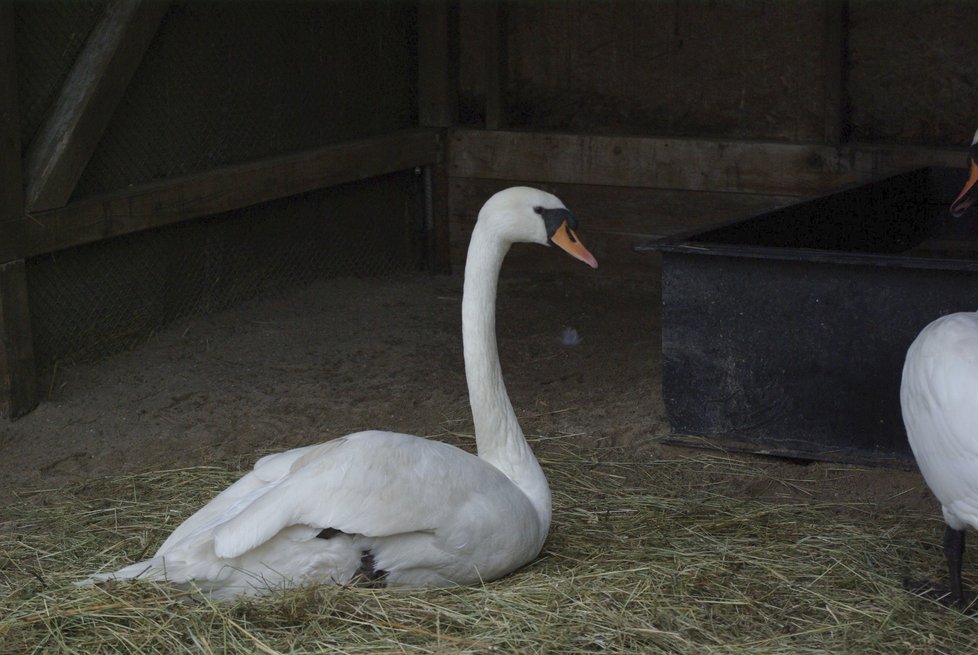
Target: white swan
<point>939,400</point>
<point>382,507</point>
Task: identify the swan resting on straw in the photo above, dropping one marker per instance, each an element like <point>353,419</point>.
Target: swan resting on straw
<point>385,508</point>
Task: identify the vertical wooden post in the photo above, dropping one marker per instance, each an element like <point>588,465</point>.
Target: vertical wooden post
<point>836,62</point>
<point>438,107</point>
<point>18,380</point>
<point>437,70</point>
<point>18,384</point>
<point>493,22</point>
<point>482,30</point>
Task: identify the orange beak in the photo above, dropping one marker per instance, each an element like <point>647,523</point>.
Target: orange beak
<point>567,240</point>
<point>968,193</point>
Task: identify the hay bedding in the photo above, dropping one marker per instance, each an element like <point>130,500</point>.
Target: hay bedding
<point>639,559</point>
<point>653,549</point>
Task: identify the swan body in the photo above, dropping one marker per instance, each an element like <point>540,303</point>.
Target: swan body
<point>939,401</point>
<point>939,398</point>
<point>387,508</point>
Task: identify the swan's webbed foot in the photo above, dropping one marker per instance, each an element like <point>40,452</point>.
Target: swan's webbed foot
<point>368,575</point>
<point>953,594</point>
<point>941,593</point>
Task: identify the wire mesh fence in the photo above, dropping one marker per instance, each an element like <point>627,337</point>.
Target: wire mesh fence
<point>93,300</point>
<point>224,83</point>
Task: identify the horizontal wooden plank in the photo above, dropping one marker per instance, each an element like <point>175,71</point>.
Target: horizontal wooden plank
<point>173,200</point>
<point>675,163</point>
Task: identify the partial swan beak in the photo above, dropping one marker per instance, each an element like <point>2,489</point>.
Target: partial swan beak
<point>567,240</point>
<point>968,193</point>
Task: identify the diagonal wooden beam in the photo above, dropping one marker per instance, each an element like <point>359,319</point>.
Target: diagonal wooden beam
<point>72,129</point>
<point>18,385</point>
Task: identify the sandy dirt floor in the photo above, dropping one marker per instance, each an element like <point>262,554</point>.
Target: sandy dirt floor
<point>349,354</point>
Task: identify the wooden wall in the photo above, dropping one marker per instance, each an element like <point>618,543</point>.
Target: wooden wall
<point>120,117</point>
<point>626,190</point>
<point>647,117</point>
<point>901,72</point>
<point>650,118</point>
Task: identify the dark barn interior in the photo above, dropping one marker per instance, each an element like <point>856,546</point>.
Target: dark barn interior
<point>234,227</point>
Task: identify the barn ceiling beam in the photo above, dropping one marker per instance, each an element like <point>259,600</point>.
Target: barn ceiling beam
<point>95,85</point>
<point>232,187</point>
<point>773,168</point>
<point>18,380</point>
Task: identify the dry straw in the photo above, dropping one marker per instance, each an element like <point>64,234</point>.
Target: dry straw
<point>646,555</point>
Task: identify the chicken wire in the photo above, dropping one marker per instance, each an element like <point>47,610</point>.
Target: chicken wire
<point>223,83</point>
<point>227,82</point>
<point>93,300</point>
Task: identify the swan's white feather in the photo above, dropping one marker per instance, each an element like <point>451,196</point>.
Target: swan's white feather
<point>426,511</point>
<point>378,484</point>
<point>267,472</point>
<point>939,398</point>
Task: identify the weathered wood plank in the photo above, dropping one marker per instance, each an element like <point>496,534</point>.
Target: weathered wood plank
<point>11,192</point>
<point>489,15</point>
<point>224,189</point>
<point>674,163</point>
<point>439,228</point>
<point>437,77</point>
<point>18,380</point>
<point>437,107</point>
<point>836,66</point>
<point>65,142</point>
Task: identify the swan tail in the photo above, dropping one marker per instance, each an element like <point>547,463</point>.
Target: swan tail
<point>283,562</point>
<point>153,569</point>
<point>181,576</point>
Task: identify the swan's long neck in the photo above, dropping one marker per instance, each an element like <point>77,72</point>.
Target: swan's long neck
<point>498,436</point>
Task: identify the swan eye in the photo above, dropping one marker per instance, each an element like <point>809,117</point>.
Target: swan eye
<point>538,210</point>
<point>554,218</point>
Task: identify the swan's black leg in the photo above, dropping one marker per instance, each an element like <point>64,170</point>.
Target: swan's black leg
<point>368,574</point>
<point>953,552</point>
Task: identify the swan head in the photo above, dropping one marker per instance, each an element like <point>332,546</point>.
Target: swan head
<point>969,193</point>
<point>526,215</point>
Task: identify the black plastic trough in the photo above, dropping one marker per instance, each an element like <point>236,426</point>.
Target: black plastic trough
<point>785,333</point>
